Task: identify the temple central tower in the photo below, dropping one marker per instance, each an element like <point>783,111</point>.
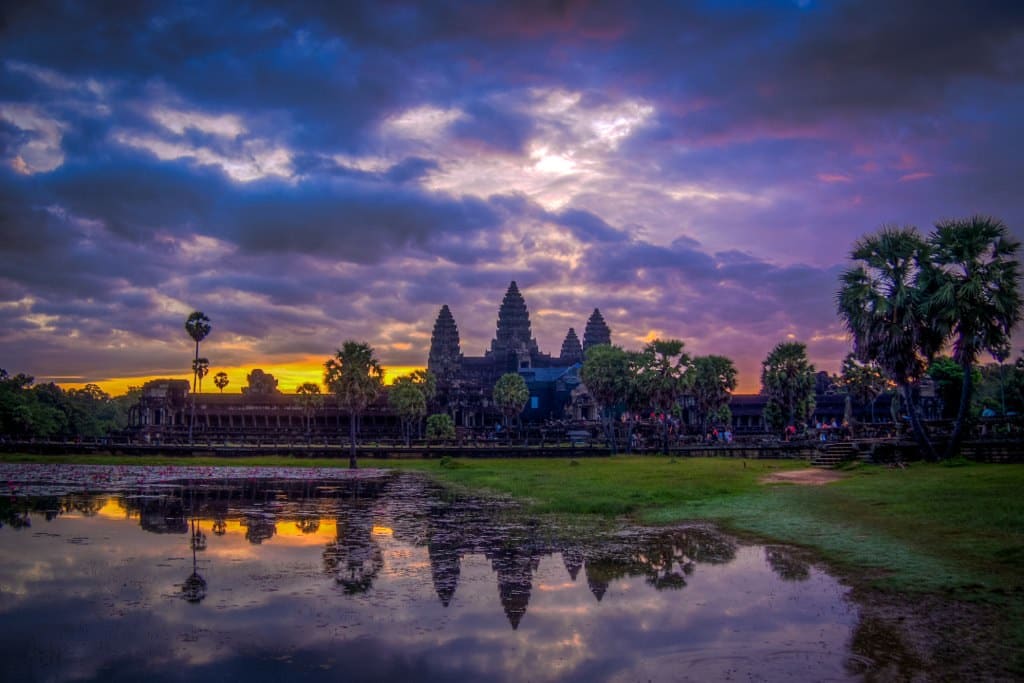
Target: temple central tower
<point>513,335</point>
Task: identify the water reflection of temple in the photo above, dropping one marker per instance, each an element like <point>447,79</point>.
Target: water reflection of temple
<point>348,514</point>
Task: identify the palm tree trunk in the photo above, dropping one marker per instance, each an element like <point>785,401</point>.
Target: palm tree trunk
<point>920,434</point>
<point>352,440</point>
<point>966,388</point>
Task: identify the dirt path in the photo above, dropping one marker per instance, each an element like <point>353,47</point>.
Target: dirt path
<point>812,476</point>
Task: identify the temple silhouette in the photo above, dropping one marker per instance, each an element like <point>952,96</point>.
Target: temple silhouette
<point>465,382</point>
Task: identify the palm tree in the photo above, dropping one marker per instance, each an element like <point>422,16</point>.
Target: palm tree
<point>881,303</point>
<point>198,326</point>
<point>510,395</point>
<point>201,368</point>
<point>974,295</point>
<point>221,380</point>
<point>787,378</point>
<point>661,378</point>
<point>607,374</point>
<point>355,377</point>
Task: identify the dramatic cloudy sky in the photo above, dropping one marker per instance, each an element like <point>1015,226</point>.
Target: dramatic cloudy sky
<point>340,170</point>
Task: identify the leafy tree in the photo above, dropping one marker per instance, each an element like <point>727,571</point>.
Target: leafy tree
<point>221,380</point>
<point>510,395</point>
<point>311,401</point>
<point>974,296</point>
<point>441,427</point>
<point>1001,388</point>
<point>787,379</point>
<point>91,412</point>
<point>882,304</point>
<point>197,325</point>
<point>864,382</point>
<point>948,376</point>
<point>711,381</point>
<point>661,377</point>
<point>408,398</point>
<point>607,374</point>
<point>355,378</point>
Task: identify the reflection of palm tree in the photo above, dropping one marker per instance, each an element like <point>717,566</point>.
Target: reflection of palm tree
<point>259,528</point>
<point>308,525</point>
<point>786,564</point>
<point>354,558</point>
<point>194,587</point>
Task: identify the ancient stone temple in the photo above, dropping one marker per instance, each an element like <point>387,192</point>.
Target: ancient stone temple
<point>465,383</point>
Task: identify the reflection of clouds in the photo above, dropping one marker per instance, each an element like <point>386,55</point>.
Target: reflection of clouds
<point>274,599</point>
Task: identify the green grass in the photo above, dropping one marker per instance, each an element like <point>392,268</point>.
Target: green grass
<point>926,528</point>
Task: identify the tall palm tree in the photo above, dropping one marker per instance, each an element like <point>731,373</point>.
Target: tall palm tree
<point>355,377</point>
<point>974,295</point>
<point>881,303</point>
<point>198,327</point>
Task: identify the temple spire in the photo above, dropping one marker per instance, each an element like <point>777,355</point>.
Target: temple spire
<point>513,330</point>
<point>572,352</point>
<point>597,331</point>
<point>445,353</point>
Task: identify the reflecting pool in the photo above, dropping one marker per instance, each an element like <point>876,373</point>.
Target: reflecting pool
<point>121,573</point>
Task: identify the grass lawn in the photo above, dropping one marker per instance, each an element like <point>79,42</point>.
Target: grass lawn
<point>925,528</point>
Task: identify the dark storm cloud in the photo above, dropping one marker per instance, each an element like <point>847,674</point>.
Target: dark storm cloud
<point>352,222</point>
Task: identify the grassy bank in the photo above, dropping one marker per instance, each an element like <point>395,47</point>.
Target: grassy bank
<point>935,551</point>
<point>926,528</point>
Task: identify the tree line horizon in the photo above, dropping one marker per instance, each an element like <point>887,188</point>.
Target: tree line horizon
<point>907,298</point>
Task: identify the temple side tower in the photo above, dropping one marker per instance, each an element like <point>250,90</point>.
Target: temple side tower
<point>597,331</point>
<point>572,352</point>
<point>445,353</point>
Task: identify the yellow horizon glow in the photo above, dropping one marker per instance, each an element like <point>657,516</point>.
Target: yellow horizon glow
<point>289,375</point>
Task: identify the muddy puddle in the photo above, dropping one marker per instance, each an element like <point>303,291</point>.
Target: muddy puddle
<point>119,573</point>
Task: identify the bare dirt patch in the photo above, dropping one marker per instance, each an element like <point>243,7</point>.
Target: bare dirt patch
<point>812,477</point>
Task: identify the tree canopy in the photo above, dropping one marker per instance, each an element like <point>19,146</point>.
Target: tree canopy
<point>355,378</point>
<point>787,380</point>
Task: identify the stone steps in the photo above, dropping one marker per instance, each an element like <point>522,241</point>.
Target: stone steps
<point>831,455</point>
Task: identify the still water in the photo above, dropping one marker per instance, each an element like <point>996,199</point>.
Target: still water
<point>154,574</point>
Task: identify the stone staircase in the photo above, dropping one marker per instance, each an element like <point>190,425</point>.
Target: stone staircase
<point>831,455</point>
